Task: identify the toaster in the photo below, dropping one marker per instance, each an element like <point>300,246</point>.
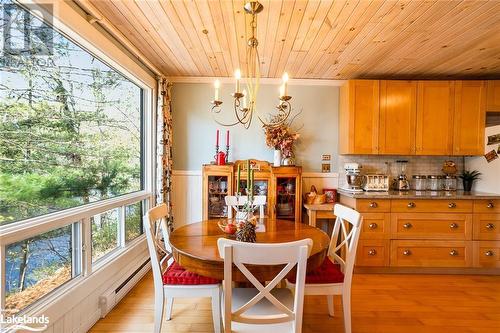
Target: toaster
<point>376,183</point>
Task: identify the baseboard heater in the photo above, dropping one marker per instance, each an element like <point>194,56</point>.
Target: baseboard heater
<point>112,297</point>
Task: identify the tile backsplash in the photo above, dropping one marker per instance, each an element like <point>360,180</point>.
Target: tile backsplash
<point>417,165</point>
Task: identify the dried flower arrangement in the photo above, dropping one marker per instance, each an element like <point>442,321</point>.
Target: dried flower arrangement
<point>281,137</point>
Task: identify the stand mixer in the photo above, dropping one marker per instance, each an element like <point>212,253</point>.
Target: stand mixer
<point>353,177</point>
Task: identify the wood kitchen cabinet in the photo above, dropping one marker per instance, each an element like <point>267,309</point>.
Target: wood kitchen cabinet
<point>401,235</point>
<point>493,96</point>
<point>435,108</point>
<point>397,117</point>
<point>469,117</point>
<point>359,117</point>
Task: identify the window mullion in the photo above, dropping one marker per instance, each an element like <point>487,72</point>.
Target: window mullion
<point>120,240</point>
<point>87,246</point>
<point>76,249</point>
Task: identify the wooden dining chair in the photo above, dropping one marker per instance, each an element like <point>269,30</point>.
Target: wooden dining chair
<point>170,279</point>
<point>334,276</point>
<point>248,309</point>
<point>233,202</point>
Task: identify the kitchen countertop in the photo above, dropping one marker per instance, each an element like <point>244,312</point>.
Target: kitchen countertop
<point>419,195</point>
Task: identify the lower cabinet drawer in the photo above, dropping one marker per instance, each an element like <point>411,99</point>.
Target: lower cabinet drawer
<point>376,226</point>
<point>486,227</point>
<point>430,253</point>
<point>372,252</point>
<point>487,254</point>
<point>431,226</point>
<point>487,206</point>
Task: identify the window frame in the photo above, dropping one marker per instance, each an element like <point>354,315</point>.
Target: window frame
<point>23,229</point>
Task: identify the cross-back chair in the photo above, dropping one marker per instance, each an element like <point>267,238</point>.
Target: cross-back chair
<point>233,202</point>
<point>170,279</point>
<point>334,276</point>
<point>249,309</point>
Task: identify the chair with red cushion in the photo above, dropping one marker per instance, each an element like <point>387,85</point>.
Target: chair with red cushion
<point>171,279</point>
<point>334,276</point>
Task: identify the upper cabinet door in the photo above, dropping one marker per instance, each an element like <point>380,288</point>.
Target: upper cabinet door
<point>359,116</point>
<point>397,117</point>
<point>469,119</point>
<point>435,105</point>
<point>493,96</point>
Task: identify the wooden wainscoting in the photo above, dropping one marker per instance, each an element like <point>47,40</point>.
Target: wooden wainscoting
<point>186,196</point>
<point>380,304</point>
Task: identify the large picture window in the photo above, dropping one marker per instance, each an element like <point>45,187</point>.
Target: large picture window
<point>71,136</point>
<point>71,126</point>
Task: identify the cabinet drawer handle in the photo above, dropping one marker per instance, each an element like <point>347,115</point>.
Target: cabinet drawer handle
<point>407,253</point>
<point>372,252</point>
<point>452,205</point>
<point>407,225</point>
<point>453,225</point>
<point>490,226</point>
<point>490,205</point>
<point>373,204</point>
<point>489,253</point>
<point>373,225</point>
<point>411,205</point>
<point>453,253</point>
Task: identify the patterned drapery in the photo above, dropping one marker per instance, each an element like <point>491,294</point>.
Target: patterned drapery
<point>164,149</point>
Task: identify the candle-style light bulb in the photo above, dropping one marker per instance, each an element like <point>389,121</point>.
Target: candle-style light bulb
<point>282,90</point>
<point>237,76</point>
<point>285,84</point>
<point>217,86</point>
<point>244,98</point>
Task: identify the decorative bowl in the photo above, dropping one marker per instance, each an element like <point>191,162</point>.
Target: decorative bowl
<point>223,225</point>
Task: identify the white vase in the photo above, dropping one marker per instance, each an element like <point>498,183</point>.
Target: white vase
<point>277,158</point>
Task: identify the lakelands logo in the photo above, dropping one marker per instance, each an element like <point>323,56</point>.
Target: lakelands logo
<point>13,324</point>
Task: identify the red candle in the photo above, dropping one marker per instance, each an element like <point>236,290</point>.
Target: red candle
<point>227,138</point>
<point>217,138</point>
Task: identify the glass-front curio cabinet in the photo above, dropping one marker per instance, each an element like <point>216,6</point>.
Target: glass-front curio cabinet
<point>281,185</point>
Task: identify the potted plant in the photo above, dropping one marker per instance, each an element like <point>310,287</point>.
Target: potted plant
<point>468,178</point>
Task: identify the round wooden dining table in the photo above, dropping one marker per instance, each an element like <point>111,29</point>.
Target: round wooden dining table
<point>194,247</point>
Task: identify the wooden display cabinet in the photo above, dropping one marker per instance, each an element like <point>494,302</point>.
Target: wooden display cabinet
<point>286,193</point>
<point>217,183</point>
<point>281,185</point>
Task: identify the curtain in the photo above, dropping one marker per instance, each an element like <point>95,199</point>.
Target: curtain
<point>164,149</point>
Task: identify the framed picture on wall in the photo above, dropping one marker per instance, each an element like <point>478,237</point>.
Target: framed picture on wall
<point>331,194</point>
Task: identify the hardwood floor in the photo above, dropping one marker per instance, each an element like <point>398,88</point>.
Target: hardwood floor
<point>381,303</point>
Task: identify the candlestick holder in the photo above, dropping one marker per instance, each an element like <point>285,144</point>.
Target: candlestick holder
<point>216,106</point>
<point>227,154</point>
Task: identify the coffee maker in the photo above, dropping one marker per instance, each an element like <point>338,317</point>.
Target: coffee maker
<point>353,177</point>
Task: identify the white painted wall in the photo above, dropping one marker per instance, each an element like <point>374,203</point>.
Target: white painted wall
<point>490,178</point>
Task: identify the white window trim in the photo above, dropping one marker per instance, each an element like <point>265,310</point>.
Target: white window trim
<point>18,231</point>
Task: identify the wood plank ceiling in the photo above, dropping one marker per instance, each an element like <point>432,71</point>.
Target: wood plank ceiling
<point>339,39</point>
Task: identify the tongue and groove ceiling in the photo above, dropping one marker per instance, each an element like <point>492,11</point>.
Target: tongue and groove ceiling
<point>316,39</point>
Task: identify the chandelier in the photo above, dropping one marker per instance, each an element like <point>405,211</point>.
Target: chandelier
<point>245,102</point>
